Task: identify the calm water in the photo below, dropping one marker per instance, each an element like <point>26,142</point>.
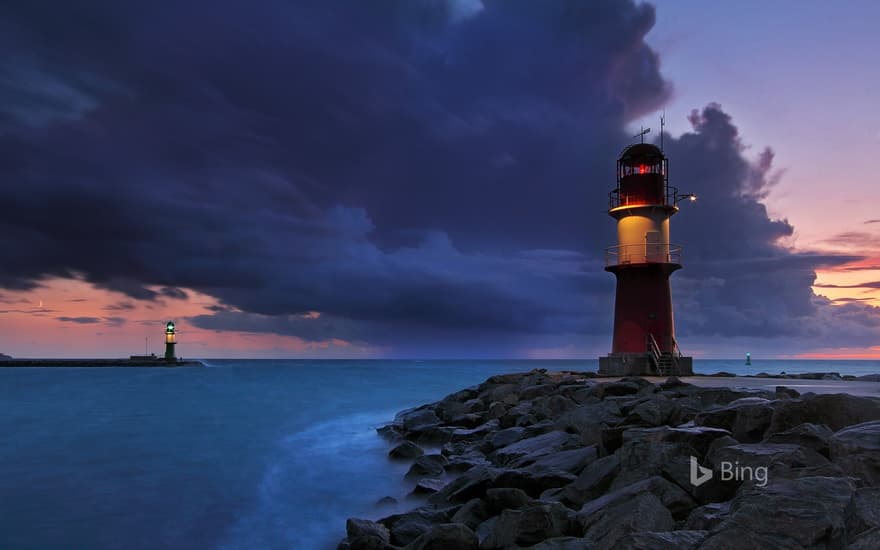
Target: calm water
<point>242,454</point>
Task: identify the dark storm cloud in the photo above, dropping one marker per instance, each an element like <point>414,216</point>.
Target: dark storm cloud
<point>80,320</point>
<point>417,171</point>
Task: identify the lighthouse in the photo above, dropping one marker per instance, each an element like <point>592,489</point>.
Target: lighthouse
<point>169,342</point>
<point>642,261</point>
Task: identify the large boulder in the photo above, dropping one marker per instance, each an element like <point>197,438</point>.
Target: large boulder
<point>666,540</point>
<point>366,535</point>
<point>406,450</point>
<point>654,410</point>
<point>427,466</point>
<point>472,513</point>
<point>471,484</point>
<point>529,525</point>
<point>591,483</point>
<point>747,418</point>
<point>758,461</point>
<point>836,411</point>
<point>812,436</point>
<point>445,537</point>
<point>534,447</point>
<point>531,480</point>
<point>808,512</point>
<point>606,522</point>
<point>698,438</point>
<point>856,450</point>
<point>505,498</point>
<point>863,513</point>
<point>571,461</point>
<point>708,516</point>
<point>418,420</point>
<point>407,527</point>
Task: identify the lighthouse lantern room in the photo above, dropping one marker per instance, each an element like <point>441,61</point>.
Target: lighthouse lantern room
<point>642,261</point>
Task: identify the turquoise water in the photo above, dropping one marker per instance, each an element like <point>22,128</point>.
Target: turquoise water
<point>242,454</point>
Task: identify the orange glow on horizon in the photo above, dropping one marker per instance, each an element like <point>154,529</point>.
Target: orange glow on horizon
<point>72,318</point>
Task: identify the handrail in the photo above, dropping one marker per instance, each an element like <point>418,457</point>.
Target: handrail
<point>643,253</point>
<point>616,199</point>
<point>654,349</point>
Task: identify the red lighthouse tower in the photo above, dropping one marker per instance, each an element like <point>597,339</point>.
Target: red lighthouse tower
<point>644,331</point>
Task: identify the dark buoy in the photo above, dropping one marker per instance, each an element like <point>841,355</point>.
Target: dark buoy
<point>748,358</point>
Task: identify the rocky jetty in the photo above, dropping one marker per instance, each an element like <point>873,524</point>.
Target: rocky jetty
<point>564,461</point>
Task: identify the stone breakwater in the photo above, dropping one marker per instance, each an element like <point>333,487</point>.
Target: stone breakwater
<point>563,461</point>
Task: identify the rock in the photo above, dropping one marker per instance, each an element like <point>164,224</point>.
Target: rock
<point>538,390</point>
<point>366,535</point>
<point>784,392</point>
<point>699,438</point>
<point>471,484</point>
<point>428,486</point>
<point>666,540</point>
<point>391,432</point>
<point>472,513</point>
<point>534,447</point>
<point>656,410</point>
<point>571,461</point>
<point>499,393</point>
<point>505,498</point>
<point>551,406</point>
<point>514,414</point>
<point>405,528</point>
<point>563,543</point>
<point>406,450</point>
<point>643,458</point>
<point>533,482</point>
<point>708,516</point>
<point>836,411</point>
<point>467,420</point>
<point>473,434</point>
<point>445,537</point>
<point>625,386</point>
<point>589,420</point>
<point>533,523</point>
<point>863,513</point>
<point>418,420</point>
<point>606,522</point>
<point>464,462</point>
<point>778,459</point>
<point>747,418</point>
<point>591,483</point>
<point>505,437</point>
<point>806,512</point>
<point>427,466</point>
<point>810,436</point>
<point>868,540</point>
<point>386,501</point>
<point>496,410</point>
<point>485,529</point>
<point>856,450</point>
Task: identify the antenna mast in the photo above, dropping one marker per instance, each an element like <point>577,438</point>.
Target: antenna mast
<point>662,124</point>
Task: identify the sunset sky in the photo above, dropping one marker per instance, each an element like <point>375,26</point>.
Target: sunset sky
<point>430,178</point>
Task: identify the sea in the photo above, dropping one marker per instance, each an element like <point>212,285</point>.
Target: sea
<point>242,454</point>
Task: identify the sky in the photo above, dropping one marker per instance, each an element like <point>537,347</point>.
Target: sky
<point>429,178</point>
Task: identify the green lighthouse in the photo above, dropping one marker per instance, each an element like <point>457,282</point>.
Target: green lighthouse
<point>169,342</point>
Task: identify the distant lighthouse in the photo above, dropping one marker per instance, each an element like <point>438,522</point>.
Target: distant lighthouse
<point>169,342</point>
<point>644,331</point>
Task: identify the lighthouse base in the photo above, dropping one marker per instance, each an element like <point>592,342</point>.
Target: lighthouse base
<point>642,364</point>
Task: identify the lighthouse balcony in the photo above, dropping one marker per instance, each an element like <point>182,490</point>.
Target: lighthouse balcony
<point>647,253</point>
<point>638,196</point>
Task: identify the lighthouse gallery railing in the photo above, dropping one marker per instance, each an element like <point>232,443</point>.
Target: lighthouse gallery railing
<point>643,253</point>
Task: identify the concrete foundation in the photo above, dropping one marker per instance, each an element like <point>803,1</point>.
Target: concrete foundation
<point>639,364</point>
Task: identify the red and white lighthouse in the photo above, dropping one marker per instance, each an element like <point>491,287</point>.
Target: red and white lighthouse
<point>644,332</point>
